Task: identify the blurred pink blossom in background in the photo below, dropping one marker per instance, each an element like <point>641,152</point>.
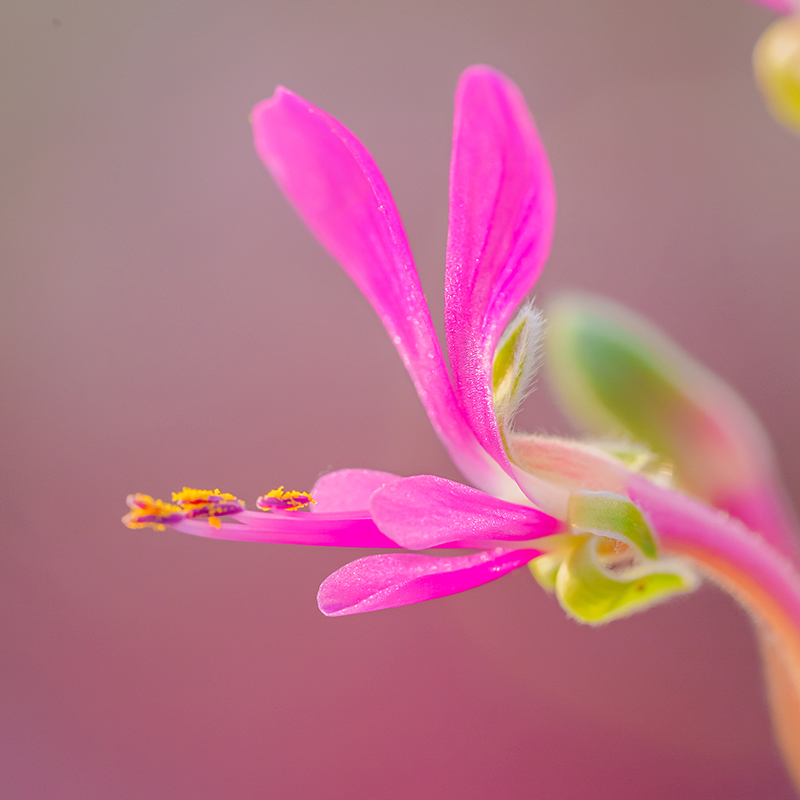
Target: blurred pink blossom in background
<point>781,6</point>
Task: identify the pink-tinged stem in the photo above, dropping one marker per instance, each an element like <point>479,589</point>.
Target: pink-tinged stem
<point>759,577</point>
<point>780,673</point>
<point>762,507</point>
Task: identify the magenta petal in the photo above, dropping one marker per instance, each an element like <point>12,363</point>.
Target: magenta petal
<point>502,212</point>
<point>427,511</point>
<point>348,489</point>
<point>337,189</point>
<point>387,581</point>
<point>294,527</point>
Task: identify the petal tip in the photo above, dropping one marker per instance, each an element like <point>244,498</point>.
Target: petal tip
<point>482,72</point>
<point>263,106</point>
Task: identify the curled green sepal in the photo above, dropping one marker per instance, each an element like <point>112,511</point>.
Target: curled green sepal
<point>506,367</point>
<point>515,363</point>
<point>609,566</point>
<point>611,515</point>
<point>545,569</point>
<point>592,594</point>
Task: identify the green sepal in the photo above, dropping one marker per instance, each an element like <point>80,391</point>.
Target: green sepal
<point>504,379</point>
<point>590,594</point>
<point>545,569</point>
<point>636,457</point>
<point>615,378</point>
<point>611,515</point>
<point>515,363</point>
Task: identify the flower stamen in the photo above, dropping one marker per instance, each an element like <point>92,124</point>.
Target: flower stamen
<point>280,500</point>
<point>205,503</point>
<point>146,512</point>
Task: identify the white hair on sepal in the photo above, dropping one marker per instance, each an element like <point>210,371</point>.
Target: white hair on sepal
<point>517,360</point>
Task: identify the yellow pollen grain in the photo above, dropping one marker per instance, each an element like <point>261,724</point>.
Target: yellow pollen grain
<point>143,505</point>
<point>197,496</point>
<point>295,499</point>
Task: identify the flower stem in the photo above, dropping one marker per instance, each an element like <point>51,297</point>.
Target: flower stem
<point>762,580</point>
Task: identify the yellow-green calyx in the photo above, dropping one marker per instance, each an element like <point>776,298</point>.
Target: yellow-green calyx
<point>613,516</point>
<point>609,566</point>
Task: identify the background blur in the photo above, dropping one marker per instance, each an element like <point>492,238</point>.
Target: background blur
<point>167,320</point>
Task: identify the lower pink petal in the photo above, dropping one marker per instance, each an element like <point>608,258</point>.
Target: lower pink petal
<point>387,581</point>
<point>425,511</point>
<point>348,489</point>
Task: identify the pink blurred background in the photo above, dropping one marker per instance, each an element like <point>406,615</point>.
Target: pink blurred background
<point>167,320</point>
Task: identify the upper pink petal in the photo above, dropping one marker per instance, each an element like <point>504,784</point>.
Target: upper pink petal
<point>502,212</point>
<point>334,184</point>
<point>427,511</point>
<point>348,489</point>
<point>387,581</point>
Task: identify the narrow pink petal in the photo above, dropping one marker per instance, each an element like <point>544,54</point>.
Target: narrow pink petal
<point>336,187</point>
<point>387,581</point>
<point>502,212</point>
<point>321,529</point>
<point>348,489</point>
<point>426,511</point>
<point>294,527</point>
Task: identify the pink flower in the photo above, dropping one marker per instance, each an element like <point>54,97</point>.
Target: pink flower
<point>679,480</point>
<point>502,205</point>
<point>567,506</point>
<point>502,210</point>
